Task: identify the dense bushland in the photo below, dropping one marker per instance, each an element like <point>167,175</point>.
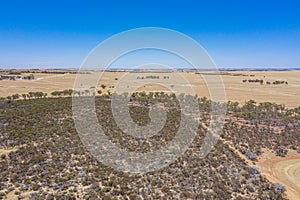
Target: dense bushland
<point>50,160</point>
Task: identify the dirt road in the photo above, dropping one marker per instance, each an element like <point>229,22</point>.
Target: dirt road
<point>288,172</point>
<point>282,170</point>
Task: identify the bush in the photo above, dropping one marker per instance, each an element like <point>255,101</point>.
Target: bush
<point>250,155</point>
<point>279,188</point>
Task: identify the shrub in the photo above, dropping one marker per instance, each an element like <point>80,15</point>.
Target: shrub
<point>279,188</point>
<point>250,155</point>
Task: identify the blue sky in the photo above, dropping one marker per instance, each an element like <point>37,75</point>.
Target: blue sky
<point>56,34</point>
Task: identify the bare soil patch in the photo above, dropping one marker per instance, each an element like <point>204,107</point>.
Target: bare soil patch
<point>282,170</point>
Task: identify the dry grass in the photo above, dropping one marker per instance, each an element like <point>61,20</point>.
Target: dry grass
<point>235,89</point>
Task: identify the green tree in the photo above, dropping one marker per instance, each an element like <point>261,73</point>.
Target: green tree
<point>15,96</point>
<point>30,95</point>
<point>24,96</point>
<point>87,92</point>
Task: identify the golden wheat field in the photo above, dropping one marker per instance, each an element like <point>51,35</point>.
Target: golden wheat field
<point>235,88</point>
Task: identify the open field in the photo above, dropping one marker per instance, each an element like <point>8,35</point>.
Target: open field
<point>236,90</point>
<point>284,170</point>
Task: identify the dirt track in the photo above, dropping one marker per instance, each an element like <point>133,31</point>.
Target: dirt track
<point>6,151</point>
<point>288,172</point>
<point>283,170</point>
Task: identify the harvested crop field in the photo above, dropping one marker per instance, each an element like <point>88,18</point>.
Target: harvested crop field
<point>235,88</point>
<point>283,170</point>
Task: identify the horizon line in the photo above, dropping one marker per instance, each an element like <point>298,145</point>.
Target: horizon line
<point>176,68</point>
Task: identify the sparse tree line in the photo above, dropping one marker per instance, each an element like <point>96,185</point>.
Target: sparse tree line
<point>15,77</point>
<point>30,95</point>
<point>61,93</point>
<point>36,71</point>
<point>278,82</point>
<point>12,78</point>
<point>253,81</point>
<point>62,72</point>
<point>152,77</point>
<point>262,82</point>
<point>224,74</point>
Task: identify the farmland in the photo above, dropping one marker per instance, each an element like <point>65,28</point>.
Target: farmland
<point>235,89</point>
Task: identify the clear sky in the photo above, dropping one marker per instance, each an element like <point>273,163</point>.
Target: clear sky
<point>56,34</point>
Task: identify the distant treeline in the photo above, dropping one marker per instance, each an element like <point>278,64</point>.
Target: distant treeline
<point>30,95</point>
<point>34,71</point>
<point>152,77</point>
<point>4,77</point>
<point>13,78</point>
<point>64,72</point>
<point>224,73</point>
<point>262,81</point>
<point>253,81</point>
<point>278,82</point>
